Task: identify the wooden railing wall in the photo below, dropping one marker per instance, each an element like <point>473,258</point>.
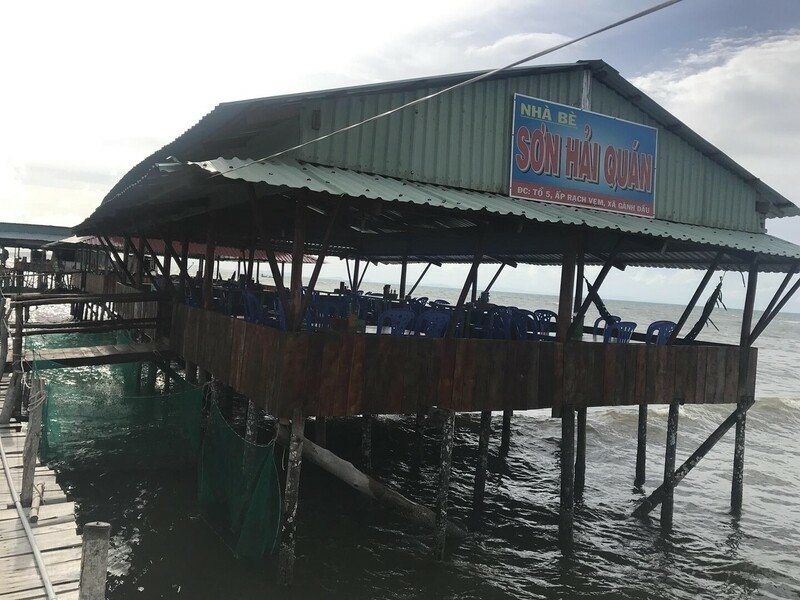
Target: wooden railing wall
<point>338,374</point>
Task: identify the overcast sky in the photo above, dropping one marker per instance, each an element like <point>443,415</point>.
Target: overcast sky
<point>91,88</point>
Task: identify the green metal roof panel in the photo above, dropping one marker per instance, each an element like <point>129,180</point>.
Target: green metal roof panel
<point>293,174</point>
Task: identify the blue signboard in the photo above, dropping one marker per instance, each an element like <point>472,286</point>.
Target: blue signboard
<point>565,155</point>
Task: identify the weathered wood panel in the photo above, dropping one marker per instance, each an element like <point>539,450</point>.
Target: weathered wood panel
<point>338,374</point>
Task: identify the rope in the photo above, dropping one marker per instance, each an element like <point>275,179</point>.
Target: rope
<point>37,556</point>
<point>480,77</point>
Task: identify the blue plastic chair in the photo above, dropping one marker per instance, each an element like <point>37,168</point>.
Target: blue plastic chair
<point>324,309</point>
<point>523,325</point>
<point>620,332</point>
<point>545,321</point>
<point>432,323</point>
<point>253,309</point>
<point>498,324</point>
<point>605,322</point>
<point>400,320</point>
<point>658,333</point>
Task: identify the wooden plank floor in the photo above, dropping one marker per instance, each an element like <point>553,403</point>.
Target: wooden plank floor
<point>101,355</point>
<point>55,531</point>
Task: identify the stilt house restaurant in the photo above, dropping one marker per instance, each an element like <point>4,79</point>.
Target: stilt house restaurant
<point>566,165</point>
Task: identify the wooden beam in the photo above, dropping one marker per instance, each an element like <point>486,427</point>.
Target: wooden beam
<point>266,244</point>
<point>403,277</point>
<point>123,264</point>
<point>648,504</point>
<point>139,253</point>
<point>765,320</point>
<point>416,283</point>
<point>298,252</point>
<point>312,283</point>
<point>158,264</point>
<point>496,275</point>
<point>695,297</point>
<point>593,291</point>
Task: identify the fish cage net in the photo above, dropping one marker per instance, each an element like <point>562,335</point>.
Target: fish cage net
<point>238,489</point>
<point>131,416</point>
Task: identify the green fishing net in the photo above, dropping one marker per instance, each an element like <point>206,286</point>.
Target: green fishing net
<point>238,489</point>
<point>115,416</point>
<point>128,417</point>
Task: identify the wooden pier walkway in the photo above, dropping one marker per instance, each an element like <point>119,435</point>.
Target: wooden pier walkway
<point>54,531</point>
<point>99,355</point>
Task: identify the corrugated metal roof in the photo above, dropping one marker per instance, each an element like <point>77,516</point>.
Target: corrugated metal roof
<point>30,235</point>
<point>212,135</point>
<point>293,174</point>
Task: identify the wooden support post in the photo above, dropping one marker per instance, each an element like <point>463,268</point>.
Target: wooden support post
<point>191,372</point>
<point>94,561</point>
<point>16,346</point>
<point>483,456</point>
<point>695,297</point>
<point>208,275</point>
<point>567,504</point>
<point>298,251</point>
<point>403,275</point>
<point>320,431</point>
<point>580,454</point>
<point>14,392</point>
<point>737,483</point>
<point>567,500</point>
<point>648,504</point>
<point>291,496</point>
<point>366,442</point>
<point>3,335</point>
<point>505,436</point>
<point>251,427</point>
<point>32,437</point>
<point>152,372</point>
<point>445,461</point>
<point>140,258</point>
<point>641,447</point>
<point>419,436</point>
<point>669,466</point>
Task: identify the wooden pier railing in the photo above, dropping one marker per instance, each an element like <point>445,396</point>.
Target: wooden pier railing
<point>339,374</point>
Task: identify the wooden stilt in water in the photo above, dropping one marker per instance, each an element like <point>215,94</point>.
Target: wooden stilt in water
<point>580,455</point>
<point>320,431</point>
<point>366,442</point>
<point>483,456</point>
<point>191,372</point>
<point>251,427</point>
<point>641,447</point>
<point>445,461</point>
<point>505,436</point>
<point>291,496</point>
<point>567,505</point>
<point>669,467</point>
<point>737,483</point>
<point>419,436</point>
<point>152,372</point>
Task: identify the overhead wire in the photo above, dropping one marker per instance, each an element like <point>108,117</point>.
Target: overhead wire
<point>481,76</point>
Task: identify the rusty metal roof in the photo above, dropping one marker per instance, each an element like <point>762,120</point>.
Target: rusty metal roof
<point>293,174</point>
